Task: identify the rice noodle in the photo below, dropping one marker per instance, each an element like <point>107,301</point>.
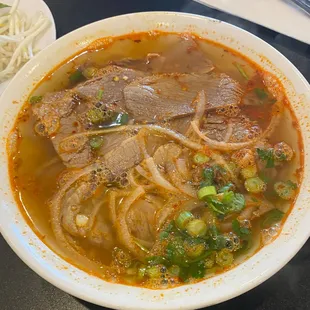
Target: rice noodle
<point>200,106</point>
<point>55,209</point>
<point>112,206</point>
<point>131,179</point>
<point>182,168</point>
<point>168,132</point>
<point>121,226</point>
<point>161,217</point>
<point>157,177</point>
<point>144,173</point>
<point>225,146</point>
<point>200,109</point>
<point>94,213</point>
<point>229,132</point>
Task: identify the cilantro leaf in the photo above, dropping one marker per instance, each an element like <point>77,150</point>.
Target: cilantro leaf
<point>238,203</point>
<point>175,253</point>
<point>271,217</point>
<point>216,241</point>
<point>230,202</point>
<point>228,197</point>
<point>156,260</point>
<point>261,93</point>
<point>266,155</point>
<point>291,184</point>
<point>242,232</point>
<point>226,188</point>
<point>208,176</point>
<point>197,270</point>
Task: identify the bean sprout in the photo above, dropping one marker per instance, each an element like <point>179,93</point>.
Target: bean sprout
<point>18,34</point>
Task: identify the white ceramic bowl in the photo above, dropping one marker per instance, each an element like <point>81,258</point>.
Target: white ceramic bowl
<point>217,289</point>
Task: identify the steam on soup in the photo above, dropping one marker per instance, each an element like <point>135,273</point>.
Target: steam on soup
<point>156,159</point>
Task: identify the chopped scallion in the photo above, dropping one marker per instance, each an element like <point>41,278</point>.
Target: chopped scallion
<point>196,228</point>
<point>285,190</point>
<point>200,158</point>
<point>89,72</point>
<point>76,76</point>
<point>261,93</point>
<point>206,191</point>
<point>174,270</point>
<point>183,218</point>
<point>241,70</point>
<point>249,172</point>
<point>35,99</point>
<point>266,155</point>
<point>194,249</point>
<point>100,94</point>
<point>271,217</point>
<point>95,116</point>
<point>210,260</point>
<point>224,258</point>
<point>255,185</point>
<point>96,142</point>
<point>153,272</point>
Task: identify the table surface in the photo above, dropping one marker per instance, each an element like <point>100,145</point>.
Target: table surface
<point>22,289</point>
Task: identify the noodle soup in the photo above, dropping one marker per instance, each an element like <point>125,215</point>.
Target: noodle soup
<point>156,159</point>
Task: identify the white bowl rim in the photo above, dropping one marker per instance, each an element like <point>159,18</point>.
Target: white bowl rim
<point>73,288</point>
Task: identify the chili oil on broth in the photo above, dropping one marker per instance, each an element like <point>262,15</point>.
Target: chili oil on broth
<point>37,173</point>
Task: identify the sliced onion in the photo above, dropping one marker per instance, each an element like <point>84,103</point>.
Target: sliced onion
<point>178,181</point>
<point>168,132</point>
<point>225,146</point>
<point>200,106</point>
<point>144,173</point>
<point>112,206</point>
<point>229,132</point>
<point>157,177</point>
<point>182,168</point>
<point>121,226</point>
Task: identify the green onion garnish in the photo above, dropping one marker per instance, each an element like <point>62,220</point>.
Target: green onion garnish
<point>200,158</point>
<point>76,76</point>
<point>183,218</point>
<point>89,72</point>
<point>194,249</point>
<point>100,94</point>
<point>96,143</point>
<point>196,228</point>
<point>241,70</point>
<point>95,115</point>
<point>255,185</point>
<point>271,217</point>
<point>35,99</point>
<point>206,191</point>
<point>224,258</point>
<point>285,190</point>
<point>261,93</point>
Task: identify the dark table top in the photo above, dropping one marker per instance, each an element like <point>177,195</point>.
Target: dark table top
<point>22,289</point>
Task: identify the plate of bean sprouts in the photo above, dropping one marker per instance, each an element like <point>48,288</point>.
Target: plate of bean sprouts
<point>26,27</point>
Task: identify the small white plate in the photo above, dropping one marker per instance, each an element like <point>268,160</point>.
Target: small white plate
<point>31,7</point>
<point>279,15</point>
